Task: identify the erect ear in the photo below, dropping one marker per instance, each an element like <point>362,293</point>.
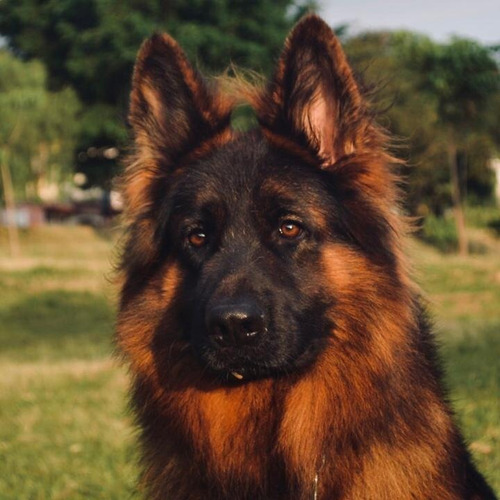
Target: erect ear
<point>314,99</point>
<point>172,110</point>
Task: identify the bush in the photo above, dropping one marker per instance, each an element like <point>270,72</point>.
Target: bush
<point>487,217</point>
<point>439,232</point>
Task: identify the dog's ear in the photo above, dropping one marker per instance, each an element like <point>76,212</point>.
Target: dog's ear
<point>314,98</point>
<point>172,109</point>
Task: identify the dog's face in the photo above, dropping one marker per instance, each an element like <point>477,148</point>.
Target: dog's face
<point>248,218</point>
<point>249,239</point>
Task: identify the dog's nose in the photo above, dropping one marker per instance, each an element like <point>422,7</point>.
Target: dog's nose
<point>235,324</point>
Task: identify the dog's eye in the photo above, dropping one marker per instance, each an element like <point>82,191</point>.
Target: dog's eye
<point>197,238</point>
<point>290,229</point>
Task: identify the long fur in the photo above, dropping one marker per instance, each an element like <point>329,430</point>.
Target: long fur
<point>368,415</point>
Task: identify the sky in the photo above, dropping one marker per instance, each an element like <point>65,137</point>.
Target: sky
<point>476,19</point>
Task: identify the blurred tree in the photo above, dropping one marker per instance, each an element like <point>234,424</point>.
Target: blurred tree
<point>408,113</point>
<point>20,86</point>
<point>416,109</point>
<point>38,127</point>
<point>463,78</point>
<point>36,131</point>
<point>428,91</point>
<point>479,182</point>
<point>91,45</point>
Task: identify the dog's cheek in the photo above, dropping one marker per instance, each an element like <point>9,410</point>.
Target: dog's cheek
<point>289,335</point>
<point>146,320</point>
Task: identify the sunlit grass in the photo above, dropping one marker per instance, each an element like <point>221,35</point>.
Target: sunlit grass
<point>464,299</point>
<point>64,431</point>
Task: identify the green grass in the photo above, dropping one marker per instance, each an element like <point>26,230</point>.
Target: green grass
<point>464,298</point>
<point>65,432</point>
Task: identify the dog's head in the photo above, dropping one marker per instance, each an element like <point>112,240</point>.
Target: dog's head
<point>254,242</point>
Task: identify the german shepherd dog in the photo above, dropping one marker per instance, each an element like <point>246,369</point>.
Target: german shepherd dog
<point>278,347</point>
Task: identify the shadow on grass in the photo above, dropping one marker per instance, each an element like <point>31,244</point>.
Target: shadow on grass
<point>57,324</point>
<point>495,226</point>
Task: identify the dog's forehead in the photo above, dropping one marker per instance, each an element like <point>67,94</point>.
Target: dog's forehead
<point>243,167</point>
<point>233,166</point>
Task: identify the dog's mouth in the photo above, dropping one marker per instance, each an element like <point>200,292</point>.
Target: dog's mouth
<point>240,373</point>
<point>240,365</point>
<point>232,366</point>
<point>239,369</point>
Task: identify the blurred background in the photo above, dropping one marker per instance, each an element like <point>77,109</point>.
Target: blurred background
<point>432,71</point>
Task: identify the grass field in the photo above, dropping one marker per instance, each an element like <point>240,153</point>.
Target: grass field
<point>65,432</point>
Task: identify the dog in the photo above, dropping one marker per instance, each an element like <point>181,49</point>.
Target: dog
<point>277,345</point>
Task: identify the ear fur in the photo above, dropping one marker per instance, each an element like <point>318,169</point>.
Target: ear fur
<point>171,107</point>
<point>314,98</point>
<point>173,111</point>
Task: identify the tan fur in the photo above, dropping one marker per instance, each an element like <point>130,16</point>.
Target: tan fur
<point>355,418</point>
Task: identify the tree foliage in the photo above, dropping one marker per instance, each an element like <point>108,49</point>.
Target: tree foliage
<point>425,88</point>
<point>428,91</point>
<point>38,126</point>
<point>91,45</point>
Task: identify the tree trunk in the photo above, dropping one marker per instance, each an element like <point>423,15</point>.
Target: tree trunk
<point>458,208</point>
<point>39,168</point>
<point>10,205</point>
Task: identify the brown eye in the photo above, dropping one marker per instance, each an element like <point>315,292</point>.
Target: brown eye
<point>290,229</point>
<point>197,238</point>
